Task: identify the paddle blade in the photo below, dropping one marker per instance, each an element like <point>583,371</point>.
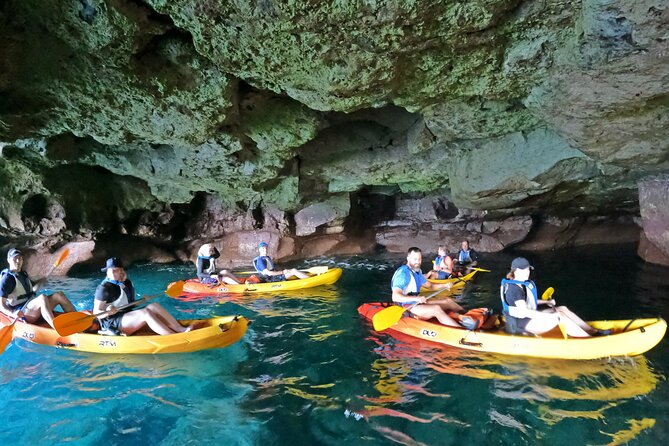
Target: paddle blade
<point>387,317</point>
<point>548,294</point>
<point>70,323</point>
<point>63,255</point>
<point>317,270</point>
<point>175,289</point>
<point>6,335</point>
<point>481,270</point>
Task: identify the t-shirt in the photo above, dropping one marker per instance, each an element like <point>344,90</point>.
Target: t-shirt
<point>513,294</point>
<point>403,278</point>
<point>203,264</point>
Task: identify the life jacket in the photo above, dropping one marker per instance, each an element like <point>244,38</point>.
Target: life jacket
<point>475,319</point>
<point>122,299</point>
<point>438,261</point>
<point>22,291</point>
<point>531,297</point>
<point>268,262</point>
<point>212,264</point>
<point>412,288</point>
<point>464,256</point>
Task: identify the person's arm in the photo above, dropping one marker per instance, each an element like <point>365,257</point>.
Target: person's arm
<point>437,286</point>
<point>201,274</point>
<point>398,296</point>
<point>7,285</point>
<point>265,271</point>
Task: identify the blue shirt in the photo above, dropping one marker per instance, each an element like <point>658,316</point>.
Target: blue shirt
<point>262,263</point>
<point>405,277</point>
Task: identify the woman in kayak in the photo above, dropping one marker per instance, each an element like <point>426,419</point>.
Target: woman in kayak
<point>520,303</point>
<point>443,265</point>
<point>18,296</point>
<point>117,291</point>
<point>206,267</point>
<point>265,267</point>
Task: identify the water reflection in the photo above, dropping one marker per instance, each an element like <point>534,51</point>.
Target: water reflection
<point>556,391</point>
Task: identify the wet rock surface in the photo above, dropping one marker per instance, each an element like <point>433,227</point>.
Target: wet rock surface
<point>172,123</point>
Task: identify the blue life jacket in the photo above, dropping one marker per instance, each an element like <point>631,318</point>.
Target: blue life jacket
<point>268,262</point>
<point>463,256</point>
<point>531,297</point>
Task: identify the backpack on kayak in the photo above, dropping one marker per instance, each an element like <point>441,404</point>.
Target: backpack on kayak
<point>475,319</point>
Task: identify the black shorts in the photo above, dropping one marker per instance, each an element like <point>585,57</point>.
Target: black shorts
<point>515,325</point>
<point>112,323</point>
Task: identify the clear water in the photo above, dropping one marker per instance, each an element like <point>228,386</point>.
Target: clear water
<point>311,371</point>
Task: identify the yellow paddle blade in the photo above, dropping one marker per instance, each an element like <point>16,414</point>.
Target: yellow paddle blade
<point>175,289</point>
<point>70,323</point>
<point>387,317</point>
<point>548,294</point>
<point>480,270</point>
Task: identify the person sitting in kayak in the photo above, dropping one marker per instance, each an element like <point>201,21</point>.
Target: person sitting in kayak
<point>406,284</point>
<point>443,265</point>
<point>265,267</point>
<point>520,304</point>
<point>467,256</point>
<point>19,296</point>
<point>116,291</point>
<point>206,267</point>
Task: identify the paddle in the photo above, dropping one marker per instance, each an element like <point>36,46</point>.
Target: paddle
<point>6,333</point>
<point>390,316</point>
<point>70,323</point>
<point>479,269</point>
<point>548,295</point>
<point>316,270</point>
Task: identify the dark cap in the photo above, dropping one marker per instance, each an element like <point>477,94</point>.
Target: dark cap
<point>113,262</point>
<point>263,244</point>
<point>13,253</point>
<point>520,263</point>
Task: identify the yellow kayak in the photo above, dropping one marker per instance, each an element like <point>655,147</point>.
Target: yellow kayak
<point>628,338</point>
<point>217,332</point>
<point>456,280</point>
<point>193,286</point>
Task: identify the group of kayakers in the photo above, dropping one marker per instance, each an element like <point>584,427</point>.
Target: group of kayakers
<point>116,292</point>
<point>520,301</point>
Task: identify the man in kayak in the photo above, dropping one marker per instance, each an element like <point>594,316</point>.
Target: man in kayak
<point>443,265</point>
<point>206,267</point>
<point>467,256</point>
<point>116,291</point>
<point>521,307</point>
<point>265,267</point>
<point>19,296</point>
<point>406,284</point>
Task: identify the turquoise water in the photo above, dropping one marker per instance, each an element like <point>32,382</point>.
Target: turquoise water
<point>310,371</point>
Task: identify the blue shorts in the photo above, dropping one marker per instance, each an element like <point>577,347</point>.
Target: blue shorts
<point>407,304</point>
<point>279,278</point>
<point>442,275</point>
<point>209,280</point>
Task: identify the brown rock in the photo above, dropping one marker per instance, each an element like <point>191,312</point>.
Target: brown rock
<point>650,253</point>
<point>654,207</point>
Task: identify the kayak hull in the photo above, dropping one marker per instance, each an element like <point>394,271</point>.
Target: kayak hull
<point>217,332</point>
<point>193,286</point>
<point>456,281</point>
<point>629,338</point>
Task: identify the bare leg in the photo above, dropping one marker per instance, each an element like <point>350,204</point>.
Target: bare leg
<point>226,276</point>
<point>44,305</point>
<point>427,312</point>
<point>169,320</point>
<point>134,320</point>
<point>295,272</point>
<point>574,324</point>
<point>448,304</point>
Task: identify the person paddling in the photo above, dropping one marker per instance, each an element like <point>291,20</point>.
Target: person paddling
<point>206,267</point>
<point>406,284</point>
<point>443,265</point>
<point>521,307</point>
<point>115,291</point>
<point>467,257</point>
<point>265,267</point>
<point>17,291</point>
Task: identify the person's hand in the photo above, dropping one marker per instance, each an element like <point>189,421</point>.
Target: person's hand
<point>20,314</point>
<point>111,310</point>
<point>422,300</point>
<point>449,285</point>
<point>552,302</point>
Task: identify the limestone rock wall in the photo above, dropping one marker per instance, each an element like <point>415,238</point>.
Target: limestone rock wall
<point>336,124</point>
